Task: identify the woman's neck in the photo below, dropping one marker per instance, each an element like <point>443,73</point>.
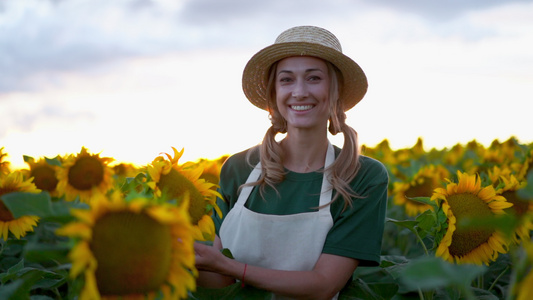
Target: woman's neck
<point>304,153</point>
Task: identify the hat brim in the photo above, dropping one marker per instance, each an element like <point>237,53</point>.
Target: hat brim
<point>255,75</point>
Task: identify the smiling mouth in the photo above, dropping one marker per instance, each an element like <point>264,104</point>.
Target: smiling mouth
<point>302,107</point>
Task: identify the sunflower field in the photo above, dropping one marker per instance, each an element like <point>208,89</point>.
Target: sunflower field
<point>82,226</point>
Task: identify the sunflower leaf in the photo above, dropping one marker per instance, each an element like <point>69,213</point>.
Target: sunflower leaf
<point>56,161</point>
<point>433,272</point>
<point>227,253</point>
<point>40,205</point>
<point>20,287</point>
<point>12,272</point>
<point>425,200</point>
<point>27,204</point>
<point>504,223</point>
<point>409,224</point>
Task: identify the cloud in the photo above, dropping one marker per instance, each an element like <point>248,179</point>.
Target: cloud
<point>442,10</point>
<point>26,115</point>
<point>42,40</point>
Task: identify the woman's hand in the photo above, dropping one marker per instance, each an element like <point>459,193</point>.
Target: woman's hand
<point>210,262</point>
<point>207,257</point>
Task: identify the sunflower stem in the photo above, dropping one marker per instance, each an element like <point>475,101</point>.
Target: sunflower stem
<point>420,294</point>
<point>480,281</point>
<point>498,278</point>
<point>421,241</point>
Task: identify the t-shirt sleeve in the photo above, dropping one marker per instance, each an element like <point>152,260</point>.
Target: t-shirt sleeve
<point>357,231</point>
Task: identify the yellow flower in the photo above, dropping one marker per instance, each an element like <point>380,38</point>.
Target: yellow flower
<point>527,166</point>
<point>4,165</point>
<point>467,199</point>
<point>211,169</point>
<point>132,250</point>
<point>125,170</point>
<point>85,175</point>
<point>44,175</point>
<point>171,181</point>
<point>422,185</point>
<point>14,182</point>
<point>521,209</point>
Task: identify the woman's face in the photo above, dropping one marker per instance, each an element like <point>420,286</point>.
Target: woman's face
<point>302,92</point>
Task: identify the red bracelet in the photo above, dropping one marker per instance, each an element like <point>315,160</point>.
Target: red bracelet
<point>243,274</point>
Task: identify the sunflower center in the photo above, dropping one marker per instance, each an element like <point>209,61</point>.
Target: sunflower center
<point>5,214</point>
<point>86,173</point>
<point>133,252</point>
<point>212,178</point>
<point>423,189</point>
<point>44,178</point>
<point>464,239</point>
<point>520,206</point>
<point>174,184</point>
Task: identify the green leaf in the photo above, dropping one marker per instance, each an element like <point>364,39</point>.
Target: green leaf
<point>371,283</point>
<point>504,223</point>
<point>41,252</point>
<point>27,204</point>
<point>20,287</point>
<point>392,260</point>
<point>409,224</point>
<point>56,161</point>
<point>426,220</point>
<point>30,204</point>
<point>433,272</point>
<point>359,290</point>
<point>227,253</point>
<point>425,200</point>
<point>12,272</point>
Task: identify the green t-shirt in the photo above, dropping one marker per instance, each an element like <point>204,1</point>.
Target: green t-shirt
<point>357,231</point>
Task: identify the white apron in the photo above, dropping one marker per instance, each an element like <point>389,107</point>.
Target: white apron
<point>282,242</point>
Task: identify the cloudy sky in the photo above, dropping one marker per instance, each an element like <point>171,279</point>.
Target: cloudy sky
<point>131,79</point>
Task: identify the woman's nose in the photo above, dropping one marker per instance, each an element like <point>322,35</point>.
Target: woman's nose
<point>300,90</point>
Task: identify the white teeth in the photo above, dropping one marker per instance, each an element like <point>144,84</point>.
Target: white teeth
<point>301,107</point>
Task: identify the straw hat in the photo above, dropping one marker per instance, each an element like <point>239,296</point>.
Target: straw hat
<point>304,41</point>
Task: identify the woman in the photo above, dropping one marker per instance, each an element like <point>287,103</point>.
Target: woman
<point>300,215</point>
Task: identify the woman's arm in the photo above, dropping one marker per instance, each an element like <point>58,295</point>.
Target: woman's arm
<point>328,277</point>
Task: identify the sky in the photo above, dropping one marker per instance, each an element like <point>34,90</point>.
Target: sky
<point>132,79</point>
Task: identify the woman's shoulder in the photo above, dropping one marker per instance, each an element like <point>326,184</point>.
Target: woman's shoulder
<point>372,168</point>
<point>244,160</point>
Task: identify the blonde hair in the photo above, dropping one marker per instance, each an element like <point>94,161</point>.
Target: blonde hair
<point>343,169</point>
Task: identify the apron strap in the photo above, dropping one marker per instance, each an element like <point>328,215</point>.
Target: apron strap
<point>326,191</point>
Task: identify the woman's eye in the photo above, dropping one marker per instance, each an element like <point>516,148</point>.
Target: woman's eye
<point>284,79</point>
<point>314,78</point>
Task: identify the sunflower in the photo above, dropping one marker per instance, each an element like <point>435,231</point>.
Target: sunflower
<point>211,169</point>
<point>14,182</point>
<point>522,209</point>
<point>171,181</point>
<point>422,185</point>
<point>85,175</point>
<point>132,249</point>
<point>4,165</point>
<point>463,200</point>
<point>125,170</point>
<point>44,175</point>
<point>526,167</point>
